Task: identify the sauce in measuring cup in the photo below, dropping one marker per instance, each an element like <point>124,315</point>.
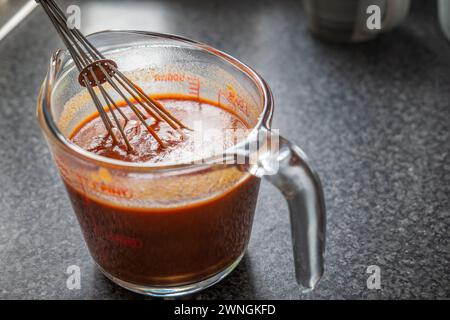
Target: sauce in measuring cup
<point>173,245</point>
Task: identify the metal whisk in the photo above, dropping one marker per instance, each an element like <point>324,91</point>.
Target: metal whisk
<point>96,71</point>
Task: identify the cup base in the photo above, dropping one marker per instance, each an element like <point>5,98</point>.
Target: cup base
<point>174,291</point>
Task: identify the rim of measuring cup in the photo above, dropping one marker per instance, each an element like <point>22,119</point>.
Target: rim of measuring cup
<point>263,121</point>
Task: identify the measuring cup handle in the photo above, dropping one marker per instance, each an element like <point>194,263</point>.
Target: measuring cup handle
<point>303,191</point>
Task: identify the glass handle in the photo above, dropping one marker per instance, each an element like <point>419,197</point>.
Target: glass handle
<point>303,191</point>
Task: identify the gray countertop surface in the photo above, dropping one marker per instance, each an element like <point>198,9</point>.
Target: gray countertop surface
<point>374,118</point>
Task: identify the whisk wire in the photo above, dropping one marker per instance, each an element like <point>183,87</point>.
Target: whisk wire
<point>96,70</point>
<point>109,101</point>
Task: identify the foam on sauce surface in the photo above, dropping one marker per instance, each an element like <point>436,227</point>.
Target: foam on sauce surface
<point>214,130</point>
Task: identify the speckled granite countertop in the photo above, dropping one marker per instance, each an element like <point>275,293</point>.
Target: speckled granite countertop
<point>374,118</point>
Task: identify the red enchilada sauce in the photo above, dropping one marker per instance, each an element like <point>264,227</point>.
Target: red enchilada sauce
<point>172,245</point>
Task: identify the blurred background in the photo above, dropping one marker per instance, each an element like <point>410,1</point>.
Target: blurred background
<point>374,118</point>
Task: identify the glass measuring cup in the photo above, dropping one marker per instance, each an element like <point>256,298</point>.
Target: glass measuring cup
<point>173,229</point>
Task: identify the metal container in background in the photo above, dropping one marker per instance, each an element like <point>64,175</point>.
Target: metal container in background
<point>346,20</point>
<point>12,13</point>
